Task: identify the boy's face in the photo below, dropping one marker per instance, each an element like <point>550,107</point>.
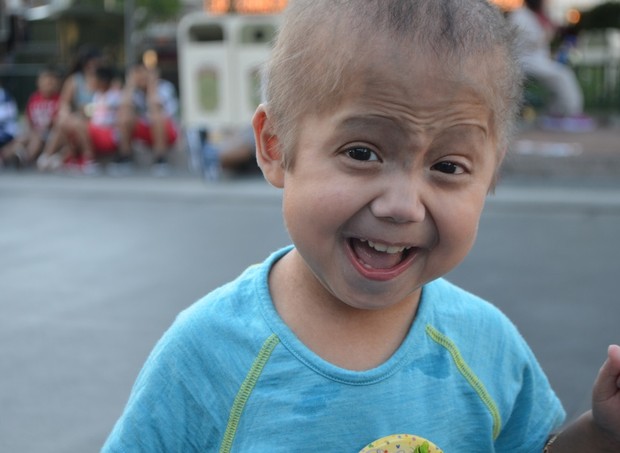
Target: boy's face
<point>387,189</point>
<point>48,84</point>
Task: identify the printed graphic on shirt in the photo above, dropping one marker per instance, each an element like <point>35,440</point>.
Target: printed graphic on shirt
<point>401,443</point>
<point>41,111</point>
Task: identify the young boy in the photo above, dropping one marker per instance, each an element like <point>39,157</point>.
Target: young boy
<point>40,113</point>
<point>385,146</point>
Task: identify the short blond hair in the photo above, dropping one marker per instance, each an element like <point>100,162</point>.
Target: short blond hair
<point>321,42</point>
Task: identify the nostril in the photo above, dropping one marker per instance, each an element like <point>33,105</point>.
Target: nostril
<point>400,202</point>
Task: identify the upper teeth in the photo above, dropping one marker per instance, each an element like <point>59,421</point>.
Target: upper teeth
<point>384,247</point>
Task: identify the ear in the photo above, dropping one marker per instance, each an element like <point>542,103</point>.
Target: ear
<point>268,153</point>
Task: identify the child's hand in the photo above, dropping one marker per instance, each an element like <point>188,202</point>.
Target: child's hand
<point>606,395</point>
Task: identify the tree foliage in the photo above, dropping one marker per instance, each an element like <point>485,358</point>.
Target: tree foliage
<point>605,15</point>
<point>160,9</point>
<point>151,9</point>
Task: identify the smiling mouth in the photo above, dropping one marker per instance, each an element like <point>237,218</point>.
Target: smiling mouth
<point>375,259</point>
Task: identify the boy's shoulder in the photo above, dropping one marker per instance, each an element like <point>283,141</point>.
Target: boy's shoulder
<point>226,322</point>
<point>444,290</point>
<point>234,297</point>
<point>460,312</point>
<point>481,333</point>
<point>235,303</point>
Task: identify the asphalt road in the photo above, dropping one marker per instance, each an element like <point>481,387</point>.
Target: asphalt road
<point>93,270</point>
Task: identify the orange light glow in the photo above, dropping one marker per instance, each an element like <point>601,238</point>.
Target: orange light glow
<point>244,6</point>
<point>508,5</point>
<point>573,16</point>
<point>217,6</point>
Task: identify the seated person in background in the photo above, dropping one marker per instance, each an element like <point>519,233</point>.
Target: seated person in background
<point>147,114</point>
<point>76,94</point>
<point>100,135</point>
<point>40,114</point>
<point>234,153</point>
<point>9,127</point>
<point>535,34</point>
<point>237,153</point>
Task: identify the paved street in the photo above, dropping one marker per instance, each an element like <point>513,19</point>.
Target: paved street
<point>92,270</point>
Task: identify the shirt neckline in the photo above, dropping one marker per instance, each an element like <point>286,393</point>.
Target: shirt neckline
<point>310,359</point>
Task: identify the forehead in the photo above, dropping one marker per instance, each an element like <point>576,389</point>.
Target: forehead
<point>410,81</point>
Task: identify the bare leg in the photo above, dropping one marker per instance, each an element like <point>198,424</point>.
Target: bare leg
<point>34,146</point>
<point>158,131</point>
<point>79,128</point>
<point>55,141</point>
<point>126,124</point>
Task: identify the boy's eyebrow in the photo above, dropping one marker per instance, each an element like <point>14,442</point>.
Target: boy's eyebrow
<point>468,130</point>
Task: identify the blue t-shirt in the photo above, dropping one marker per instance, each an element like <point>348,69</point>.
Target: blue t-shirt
<point>229,375</point>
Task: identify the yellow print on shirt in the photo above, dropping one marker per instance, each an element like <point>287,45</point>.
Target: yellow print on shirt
<point>401,443</point>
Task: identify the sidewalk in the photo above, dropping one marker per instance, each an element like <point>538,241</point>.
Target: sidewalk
<point>585,157</point>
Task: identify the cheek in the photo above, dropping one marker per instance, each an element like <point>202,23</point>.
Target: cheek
<point>321,200</point>
<point>458,227</point>
<point>301,208</point>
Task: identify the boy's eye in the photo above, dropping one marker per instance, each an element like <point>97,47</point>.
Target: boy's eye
<point>448,167</point>
<point>361,153</point>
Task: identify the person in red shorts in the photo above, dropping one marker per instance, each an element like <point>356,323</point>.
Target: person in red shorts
<point>40,114</point>
<point>147,114</point>
<point>76,96</point>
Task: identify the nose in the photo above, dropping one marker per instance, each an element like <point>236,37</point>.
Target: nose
<point>400,200</point>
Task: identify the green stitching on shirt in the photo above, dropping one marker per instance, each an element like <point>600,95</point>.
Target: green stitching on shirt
<point>246,389</point>
<point>469,376</point>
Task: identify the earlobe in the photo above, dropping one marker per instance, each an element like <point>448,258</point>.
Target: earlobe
<point>268,153</point>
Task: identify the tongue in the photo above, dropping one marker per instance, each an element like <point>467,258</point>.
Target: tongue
<point>373,258</point>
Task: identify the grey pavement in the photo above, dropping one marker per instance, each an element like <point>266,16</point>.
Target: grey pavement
<point>93,270</point>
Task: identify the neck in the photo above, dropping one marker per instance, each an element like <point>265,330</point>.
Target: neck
<point>345,336</point>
